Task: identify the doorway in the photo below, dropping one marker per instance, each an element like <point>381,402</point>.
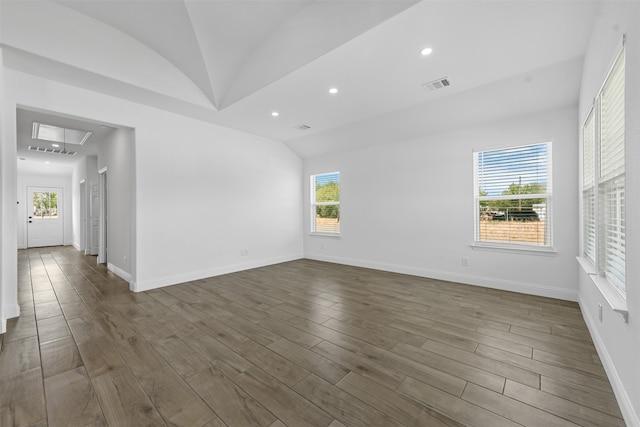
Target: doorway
<point>45,217</point>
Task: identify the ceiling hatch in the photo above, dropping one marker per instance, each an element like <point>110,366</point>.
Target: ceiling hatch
<point>57,134</point>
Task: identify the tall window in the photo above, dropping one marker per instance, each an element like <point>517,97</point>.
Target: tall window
<point>603,238</point>
<point>325,203</point>
<point>513,196</point>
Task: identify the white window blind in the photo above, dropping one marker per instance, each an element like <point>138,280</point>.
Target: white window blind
<point>611,179</point>
<point>588,188</point>
<point>513,194</point>
<point>325,203</point>
<point>603,179</point>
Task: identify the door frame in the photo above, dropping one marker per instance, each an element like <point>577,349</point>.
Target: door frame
<point>102,233</point>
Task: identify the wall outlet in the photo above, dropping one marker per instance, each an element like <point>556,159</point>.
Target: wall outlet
<point>600,312</point>
<point>465,262</point>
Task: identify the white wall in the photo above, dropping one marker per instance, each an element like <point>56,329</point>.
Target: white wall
<point>203,192</point>
<point>116,154</point>
<point>25,180</point>
<point>408,207</point>
<point>86,169</point>
<point>618,342</point>
<point>8,182</point>
<point>79,173</point>
<point>8,279</point>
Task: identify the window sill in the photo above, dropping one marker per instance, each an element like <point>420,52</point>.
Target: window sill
<point>333,235</point>
<point>616,301</point>
<point>587,265</point>
<point>529,250</point>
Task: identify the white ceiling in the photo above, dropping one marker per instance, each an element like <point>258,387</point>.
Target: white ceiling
<point>234,62</point>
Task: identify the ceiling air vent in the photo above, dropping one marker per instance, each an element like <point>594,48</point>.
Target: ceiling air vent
<point>52,151</point>
<point>303,127</point>
<point>437,84</point>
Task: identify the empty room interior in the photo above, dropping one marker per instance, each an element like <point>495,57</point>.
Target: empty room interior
<point>319,213</point>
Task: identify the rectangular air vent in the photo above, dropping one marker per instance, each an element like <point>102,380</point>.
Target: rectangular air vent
<point>303,127</point>
<point>52,151</point>
<point>437,84</point>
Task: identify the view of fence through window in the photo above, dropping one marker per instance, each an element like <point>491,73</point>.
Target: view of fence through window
<point>325,202</point>
<point>45,205</point>
<point>512,195</point>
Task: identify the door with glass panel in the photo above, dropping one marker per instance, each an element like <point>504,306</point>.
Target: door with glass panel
<point>44,217</point>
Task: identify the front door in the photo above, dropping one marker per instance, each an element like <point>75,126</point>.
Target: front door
<point>45,217</point>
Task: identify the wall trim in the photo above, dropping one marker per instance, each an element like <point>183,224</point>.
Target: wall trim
<point>147,285</point>
<point>3,326</point>
<point>119,272</point>
<point>467,279</point>
<point>76,246</point>
<point>12,311</point>
<point>626,407</point>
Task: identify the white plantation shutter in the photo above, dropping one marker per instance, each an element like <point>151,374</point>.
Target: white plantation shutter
<point>588,188</point>
<point>611,185</point>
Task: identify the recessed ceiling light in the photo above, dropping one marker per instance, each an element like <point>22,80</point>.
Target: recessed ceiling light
<point>275,114</point>
<point>46,163</point>
<point>426,51</point>
<point>55,145</point>
<point>333,91</point>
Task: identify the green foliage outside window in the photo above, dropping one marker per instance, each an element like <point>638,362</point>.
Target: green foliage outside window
<point>329,192</point>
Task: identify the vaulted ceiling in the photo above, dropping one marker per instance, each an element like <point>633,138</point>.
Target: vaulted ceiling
<point>234,62</point>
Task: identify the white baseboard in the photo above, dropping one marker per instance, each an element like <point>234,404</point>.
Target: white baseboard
<point>147,285</point>
<point>626,407</point>
<point>487,282</point>
<point>119,272</point>
<point>76,246</point>
<point>3,326</point>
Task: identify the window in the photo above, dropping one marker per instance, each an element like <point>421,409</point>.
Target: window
<point>45,205</point>
<point>513,196</point>
<point>603,165</point>
<point>325,203</point>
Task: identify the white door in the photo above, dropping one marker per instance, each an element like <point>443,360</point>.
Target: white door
<point>45,217</point>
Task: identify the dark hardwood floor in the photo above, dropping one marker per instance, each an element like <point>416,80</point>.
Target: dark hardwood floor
<point>296,344</point>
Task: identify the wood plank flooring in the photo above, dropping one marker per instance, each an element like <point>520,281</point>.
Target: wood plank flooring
<point>302,343</point>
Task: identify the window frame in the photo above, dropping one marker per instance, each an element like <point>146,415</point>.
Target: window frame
<point>605,185</point>
<point>314,204</point>
<point>532,248</point>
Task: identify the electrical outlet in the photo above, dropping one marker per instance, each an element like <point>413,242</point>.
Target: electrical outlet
<point>600,312</point>
<point>465,262</point>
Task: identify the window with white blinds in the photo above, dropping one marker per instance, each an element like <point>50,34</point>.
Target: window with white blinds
<point>603,180</point>
<point>513,196</point>
<point>325,203</point>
